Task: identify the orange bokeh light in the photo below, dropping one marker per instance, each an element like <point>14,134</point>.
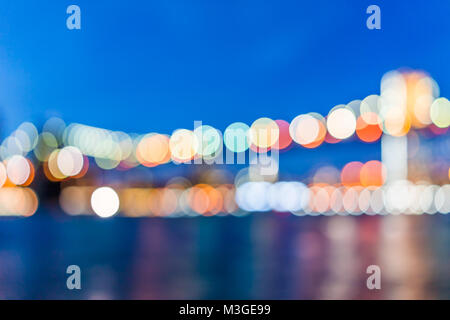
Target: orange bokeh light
<point>31,176</point>
<point>198,199</point>
<point>373,173</point>
<point>369,129</point>
<point>153,150</point>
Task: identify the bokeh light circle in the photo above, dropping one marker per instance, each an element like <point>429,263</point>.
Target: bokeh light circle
<point>369,128</point>
<point>18,169</point>
<point>341,123</point>
<point>304,129</point>
<point>209,140</point>
<point>183,145</point>
<point>153,149</point>
<point>105,202</point>
<point>70,161</point>
<point>440,112</point>
<point>350,174</point>
<point>264,133</point>
<point>284,139</point>
<point>236,137</point>
<point>46,143</point>
<point>373,173</point>
<point>53,167</point>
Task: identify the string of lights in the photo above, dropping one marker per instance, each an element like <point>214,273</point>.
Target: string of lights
<point>407,101</point>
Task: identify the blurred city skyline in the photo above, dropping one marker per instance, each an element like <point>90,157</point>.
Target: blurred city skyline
<point>94,155</point>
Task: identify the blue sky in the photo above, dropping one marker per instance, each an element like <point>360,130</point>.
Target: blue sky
<point>144,66</point>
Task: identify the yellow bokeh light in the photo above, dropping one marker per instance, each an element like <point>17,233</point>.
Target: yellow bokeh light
<point>183,145</point>
<point>264,133</point>
<point>53,166</point>
<point>440,112</point>
<point>153,149</point>
<point>419,96</point>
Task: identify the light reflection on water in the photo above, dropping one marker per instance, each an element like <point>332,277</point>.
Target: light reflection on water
<point>262,256</point>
